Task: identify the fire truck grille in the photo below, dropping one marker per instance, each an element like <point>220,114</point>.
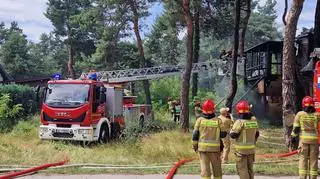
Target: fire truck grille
<point>78,119</point>
<point>62,135</point>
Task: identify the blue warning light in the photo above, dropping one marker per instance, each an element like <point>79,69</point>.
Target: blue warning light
<point>57,76</point>
<point>93,76</point>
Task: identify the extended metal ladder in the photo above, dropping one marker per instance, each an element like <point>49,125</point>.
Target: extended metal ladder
<point>120,76</point>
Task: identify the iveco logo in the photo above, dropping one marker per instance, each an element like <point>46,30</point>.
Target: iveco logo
<point>64,114</point>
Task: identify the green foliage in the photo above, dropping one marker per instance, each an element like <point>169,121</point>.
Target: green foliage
<point>24,60</point>
<point>162,42</point>
<point>26,126</point>
<point>23,95</point>
<point>134,130</point>
<point>163,88</point>
<point>262,25</point>
<point>50,54</point>
<point>204,94</point>
<point>14,53</point>
<point>9,115</point>
<point>64,18</point>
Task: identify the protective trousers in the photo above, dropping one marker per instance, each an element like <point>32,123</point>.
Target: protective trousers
<point>212,159</point>
<point>226,149</point>
<point>308,161</point>
<point>244,164</point>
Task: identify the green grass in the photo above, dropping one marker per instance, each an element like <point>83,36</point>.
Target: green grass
<point>22,146</point>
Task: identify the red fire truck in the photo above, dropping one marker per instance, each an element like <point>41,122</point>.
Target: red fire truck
<point>86,110</point>
<point>96,109</point>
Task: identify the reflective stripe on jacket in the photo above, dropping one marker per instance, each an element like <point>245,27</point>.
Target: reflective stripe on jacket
<point>246,142</point>
<point>308,123</point>
<point>209,130</point>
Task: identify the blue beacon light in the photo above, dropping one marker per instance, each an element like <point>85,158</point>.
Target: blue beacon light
<point>57,76</point>
<point>93,76</point>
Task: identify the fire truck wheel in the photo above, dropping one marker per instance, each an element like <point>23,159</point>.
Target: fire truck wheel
<point>104,133</point>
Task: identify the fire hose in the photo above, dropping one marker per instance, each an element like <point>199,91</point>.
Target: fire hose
<point>34,169</point>
<point>174,169</point>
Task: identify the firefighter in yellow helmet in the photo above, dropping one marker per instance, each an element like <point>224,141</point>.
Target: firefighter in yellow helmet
<point>245,132</point>
<point>305,127</point>
<point>206,138</point>
<point>227,123</point>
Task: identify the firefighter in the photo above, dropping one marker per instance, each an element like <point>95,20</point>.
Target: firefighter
<point>245,132</point>
<point>206,138</point>
<point>171,106</point>
<point>177,110</point>
<point>197,109</point>
<point>305,128</point>
<point>227,123</point>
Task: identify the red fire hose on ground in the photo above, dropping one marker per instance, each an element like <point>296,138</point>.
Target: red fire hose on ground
<point>34,169</point>
<point>182,162</point>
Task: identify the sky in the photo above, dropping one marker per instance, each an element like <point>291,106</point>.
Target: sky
<point>30,16</point>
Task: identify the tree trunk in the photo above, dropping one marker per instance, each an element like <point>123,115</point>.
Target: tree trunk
<point>244,28</point>
<point>71,56</point>
<point>317,26</point>
<point>185,83</point>
<point>233,79</point>
<point>196,47</point>
<point>288,67</point>
<point>146,84</point>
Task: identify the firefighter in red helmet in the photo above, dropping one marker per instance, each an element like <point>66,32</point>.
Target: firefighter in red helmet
<point>245,131</point>
<point>206,138</point>
<point>305,128</point>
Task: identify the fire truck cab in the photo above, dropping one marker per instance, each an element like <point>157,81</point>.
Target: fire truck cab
<point>87,110</point>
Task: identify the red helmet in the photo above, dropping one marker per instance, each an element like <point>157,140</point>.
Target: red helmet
<point>208,107</point>
<point>307,101</point>
<point>243,107</point>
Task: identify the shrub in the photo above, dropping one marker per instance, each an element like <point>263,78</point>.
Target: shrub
<point>161,89</point>
<point>134,130</point>
<point>21,94</point>
<point>25,127</point>
<point>9,116</point>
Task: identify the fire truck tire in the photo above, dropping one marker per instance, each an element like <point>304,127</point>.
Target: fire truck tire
<point>104,133</point>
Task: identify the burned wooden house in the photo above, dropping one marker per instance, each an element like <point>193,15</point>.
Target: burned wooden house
<point>263,71</point>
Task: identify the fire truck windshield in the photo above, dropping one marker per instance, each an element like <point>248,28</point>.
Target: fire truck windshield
<point>67,95</point>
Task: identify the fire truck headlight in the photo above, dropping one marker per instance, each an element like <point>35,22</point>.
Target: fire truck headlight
<point>84,131</point>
